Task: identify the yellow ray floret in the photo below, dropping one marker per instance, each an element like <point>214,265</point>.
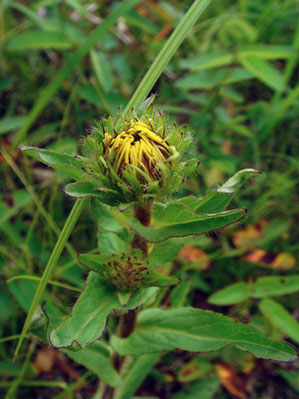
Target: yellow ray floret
<point>139,146</point>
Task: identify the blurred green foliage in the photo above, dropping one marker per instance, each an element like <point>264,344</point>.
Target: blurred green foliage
<point>234,82</point>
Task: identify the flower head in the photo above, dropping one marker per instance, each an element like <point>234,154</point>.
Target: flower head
<point>138,148</point>
<point>137,158</point>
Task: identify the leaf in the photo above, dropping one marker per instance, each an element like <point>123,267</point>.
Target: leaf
<point>31,40</point>
<point>196,330</point>
<point>266,51</point>
<point>176,220</point>
<point>231,294</point>
<point>197,368</point>
<point>109,219</point>
<point>87,189</point>
<point>281,318</point>
<point>196,255</point>
<point>157,279</point>
<point>110,243</point>
<point>250,235</point>
<point>102,69</point>
<point>10,123</point>
<point>275,285</point>
<point>90,312</point>
<point>136,374</point>
<point>179,294</point>
<point>68,164</point>
<point>292,377</point>
<point>230,380</point>
<point>262,288</point>
<point>205,389</point>
<point>165,251</point>
<point>208,61</point>
<point>218,200</point>
<point>96,357</point>
<point>81,189</point>
<point>265,72</point>
<point>280,261</point>
<point>94,262</point>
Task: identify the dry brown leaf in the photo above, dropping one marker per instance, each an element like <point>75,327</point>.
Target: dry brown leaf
<point>230,380</point>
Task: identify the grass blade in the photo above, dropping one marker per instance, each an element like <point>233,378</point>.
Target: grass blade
<point>65,233</point>
<point>167,52</point>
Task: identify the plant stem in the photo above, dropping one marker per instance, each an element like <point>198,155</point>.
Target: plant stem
<point>60,244</point>
<point>143,214</point>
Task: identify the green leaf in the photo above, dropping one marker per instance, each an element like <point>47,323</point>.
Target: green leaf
<point>203,389</point>
<point>68,164</point>
<point>197,368</point>
<point>266,51</point>
<point>123,297</point>
<point>10,123</point>
<point>196,330</point>
<point>263,287</point>
<point>218,200</point>
<point>165,251</point>
<point>292,377</point>
<point>207,61</point>
<point>94,262</point>
<point>81,189</point>
<point>109,219</point>
<point>157,279</point>
<point>137,372</point>
<point>31,40</point>
<point>96,357</point>
<point>179,294</point>
<point>264,71</point>
<point>275,285</point>
<point>176,220</point>
<point>110,243</point>
<point>281,318</point>
<point>87,189</point>
<point>102,69</point>
<point>231,294</point>
<point>90,312</point>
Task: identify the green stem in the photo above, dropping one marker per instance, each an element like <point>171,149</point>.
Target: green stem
<point>65,233</point>
<point>167,52</point>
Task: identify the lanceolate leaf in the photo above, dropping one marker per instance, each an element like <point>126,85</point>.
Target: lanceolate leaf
<point>196,330</point>
<point>109,219</point>
<point>69,164</point>
<point>275,285</point>
<point>88,318</point>
<point>137,372</point>
<point>176,220</point>
<point>231,294</point>
<point>263,287</point>
<point>218,200</point>
<point>88,189</point>
<point>281,318</point>
<point>96,357</point>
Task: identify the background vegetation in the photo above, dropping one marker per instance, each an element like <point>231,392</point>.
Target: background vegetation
<point>234,82</point>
